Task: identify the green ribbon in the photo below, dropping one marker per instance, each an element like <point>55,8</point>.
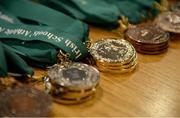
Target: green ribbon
<point>105,12</point>
<point>36,45</point>
<point>74,47</point>
<point>92,11</point>
<point>8,17</point>
<point>3,62</point>
<point>36,53</point>
<point>10,61</point>
<point>135,10</point>
<point>15,63</point>
<point>25,9</point>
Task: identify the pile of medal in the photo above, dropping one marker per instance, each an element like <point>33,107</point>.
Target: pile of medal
<point>153,38</point>
<point>170,21</point>
<point>72,83</point>
<point>24,101</point>
<point>114,55</point>
<point>148,38</point>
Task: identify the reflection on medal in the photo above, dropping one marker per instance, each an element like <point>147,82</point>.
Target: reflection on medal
<point>114,55</point>
<point>169,21</point>
<point>72,83</point>
<point>24,102</point>
<point>148,38</point>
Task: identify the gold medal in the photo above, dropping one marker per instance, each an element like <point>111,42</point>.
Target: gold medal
<point>113,55</point>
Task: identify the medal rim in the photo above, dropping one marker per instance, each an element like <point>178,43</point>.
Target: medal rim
<point>94,72</point>
<point>97,57</point>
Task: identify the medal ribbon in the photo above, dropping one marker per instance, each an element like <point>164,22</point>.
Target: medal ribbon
<point>74,47</point>
<point>28,41</point>
<point>26,9</point>
<point>92,11</point>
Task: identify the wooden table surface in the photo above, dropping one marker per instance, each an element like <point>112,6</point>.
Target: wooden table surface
<point>153,89</point>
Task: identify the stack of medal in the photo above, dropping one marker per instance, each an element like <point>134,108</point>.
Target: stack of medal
<point>24,101</point>
<point>170,21</point>
<point>72,83</point>
<point>148,39</point>
<point>114,55</point>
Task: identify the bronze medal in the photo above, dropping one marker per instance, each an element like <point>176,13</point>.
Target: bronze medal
<point>151,52</point>
<point>24,102</point>
<point>148,38</point>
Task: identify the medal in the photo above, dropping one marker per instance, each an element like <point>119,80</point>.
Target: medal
<point>114,55</point>
<point>24,102</point>
<point>169,21</point>
<point>72,82</point>
<point>148,39</point>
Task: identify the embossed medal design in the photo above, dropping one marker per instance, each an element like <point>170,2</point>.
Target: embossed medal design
<point>169,21</point>
<point>114,55</point>
<point>73,83</point>
<point>148,38</point>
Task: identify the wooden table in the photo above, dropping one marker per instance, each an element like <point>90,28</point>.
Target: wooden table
<point>153,89</point>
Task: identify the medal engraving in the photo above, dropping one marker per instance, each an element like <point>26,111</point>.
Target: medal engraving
<point>169,21</point>
<point>74,75</point>
<point>112,51</point>
<point>73,83</point>
<point>148,34</point>
<point>148,38</point>
<point>114,55</point>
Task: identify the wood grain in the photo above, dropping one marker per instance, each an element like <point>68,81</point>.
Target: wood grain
<point>153,89</point>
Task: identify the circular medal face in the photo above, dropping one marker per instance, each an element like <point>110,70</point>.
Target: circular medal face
<point>112,51</point>
<point>76,76</point>
<point>169,21</point>
<point>175,7</point>
<point>147,34</point>
<point>24,102</point>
